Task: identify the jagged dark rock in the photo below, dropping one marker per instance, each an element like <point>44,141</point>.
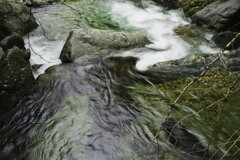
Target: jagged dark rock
<point>4,32</point>
<point>16,17</point>
<point>223,38</point>
<point>38,3</point>
<point>180,137</point>
<point>16,77</point>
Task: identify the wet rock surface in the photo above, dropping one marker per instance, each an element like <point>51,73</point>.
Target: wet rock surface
<point>170,4</point>
<point>84,42</point>
<point>16,17</point>
<point>219,15</point>
<point>16,77</point>
<point>38,3</point>
<point>223,38</point>
<point>12,40</point>
<point>189,6</point>
<point>4,32</point>
<point>189,66</point>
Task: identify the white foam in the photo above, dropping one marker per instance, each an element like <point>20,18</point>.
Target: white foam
<point>154,21</point>
<point>44,52</point>
<point>158,24</point>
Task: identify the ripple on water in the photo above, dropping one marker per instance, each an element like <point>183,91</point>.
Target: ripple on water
<point>83,113</point>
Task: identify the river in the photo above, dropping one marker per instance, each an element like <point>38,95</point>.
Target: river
<point>86,111</point>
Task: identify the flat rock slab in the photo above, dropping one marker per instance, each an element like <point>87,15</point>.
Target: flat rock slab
<point>93,41</point>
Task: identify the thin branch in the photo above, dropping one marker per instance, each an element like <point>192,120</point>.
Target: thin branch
<point>228,140</point>
<point>206,69</point>
<point>230,147</point>
<point>30,46</point>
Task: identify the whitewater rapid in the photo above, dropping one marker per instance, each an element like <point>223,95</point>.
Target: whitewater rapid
<point>154,21</point>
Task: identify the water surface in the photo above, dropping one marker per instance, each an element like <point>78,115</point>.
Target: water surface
<point>97,108</point>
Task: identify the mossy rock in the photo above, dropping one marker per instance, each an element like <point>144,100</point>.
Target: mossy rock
<point>17,17</point>
<point>202,109</point>
<point>16,78</point>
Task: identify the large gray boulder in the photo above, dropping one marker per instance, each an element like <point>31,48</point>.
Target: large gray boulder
<point>16,16</point>
<point>16,78</point>
<point>219,15</point>
<point>93,41</point>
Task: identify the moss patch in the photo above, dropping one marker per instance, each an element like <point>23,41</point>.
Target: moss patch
<point>214,123</point>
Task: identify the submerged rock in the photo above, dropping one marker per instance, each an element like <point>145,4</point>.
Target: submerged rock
<point>180,137</point>
<point>84,42</point>
<point>1,53</point>
<point>16,77</point>
<point>16,17</point>
<point>219,15</point>
<point>192,33</point>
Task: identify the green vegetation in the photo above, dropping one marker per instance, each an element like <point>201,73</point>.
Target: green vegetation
<point>199,110</point>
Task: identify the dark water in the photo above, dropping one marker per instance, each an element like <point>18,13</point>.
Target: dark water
<point>81,111</point>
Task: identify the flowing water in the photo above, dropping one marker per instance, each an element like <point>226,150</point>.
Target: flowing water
<point>154,21</point>
<point>85,110</point>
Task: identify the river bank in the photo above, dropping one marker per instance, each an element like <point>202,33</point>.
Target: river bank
<point>16,78</point>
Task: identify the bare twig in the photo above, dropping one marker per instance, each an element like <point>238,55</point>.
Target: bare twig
<point>230,147</point>
<point>30,46</point>
<point>206,69</point>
